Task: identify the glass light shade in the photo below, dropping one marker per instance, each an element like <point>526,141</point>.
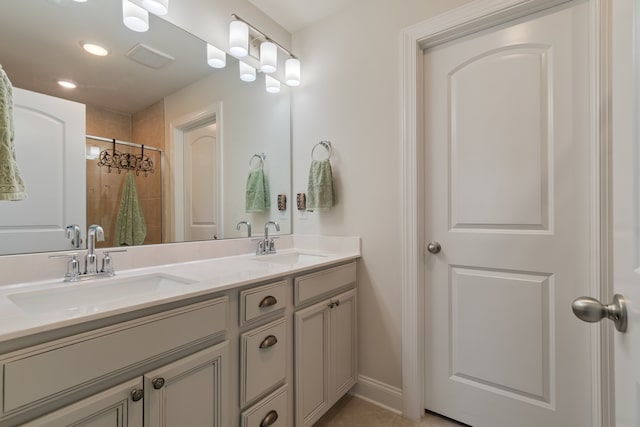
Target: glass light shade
<point>268,57</point>
<point>247,72</point>
<point>134,17</point>
<point>158,7</point>
<point>292,72</point>
<point>273,85</point>
<point>238,39</point>
<point>216,58</point>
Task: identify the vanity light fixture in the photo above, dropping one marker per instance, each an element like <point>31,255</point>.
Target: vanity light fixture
<point>95,49</point>
<point>268,53</point>
<point>216,58</point>
<point>268,57</point>
<point>239,38</point>
<point>272,85</point>
<point>157,7</point>
<point>135,17</point>
<point>247,72</point>
<point>67,84</point>
<point>292,72</point>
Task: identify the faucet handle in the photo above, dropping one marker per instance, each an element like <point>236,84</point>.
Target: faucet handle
<point>73,266</point>
<point>107,264</point>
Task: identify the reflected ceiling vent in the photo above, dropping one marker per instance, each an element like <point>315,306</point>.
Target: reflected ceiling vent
<point>149,56</point>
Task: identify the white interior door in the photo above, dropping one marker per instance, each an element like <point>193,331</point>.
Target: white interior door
<point>201,183</point>
<point>626,208</point>
<point>53,129</point>
<point>508,199</point>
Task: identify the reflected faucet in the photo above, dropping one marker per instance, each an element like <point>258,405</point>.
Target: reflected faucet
<point>267,246</point>
<point>73,233</point>
<point>95,232</point>
<point>248,224</point>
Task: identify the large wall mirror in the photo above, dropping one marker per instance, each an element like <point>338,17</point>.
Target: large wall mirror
<point>204,131</point>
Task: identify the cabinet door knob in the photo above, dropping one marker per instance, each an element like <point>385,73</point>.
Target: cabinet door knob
<point>268,301</point>
<point>269,341</point>
<point>157,383</point>
<point>269,419</point>
<point>137,394</point>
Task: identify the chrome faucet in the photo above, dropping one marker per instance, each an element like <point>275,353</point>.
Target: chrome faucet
<point>73,233</point>
<point>248,224</point>
<point>267,245</point>
<point>95,232</point>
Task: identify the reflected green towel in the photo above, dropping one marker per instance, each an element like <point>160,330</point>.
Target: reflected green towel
<point>321,193</point>
<point>11,184</point>
<point>257,191</point>
<point>130,226</point>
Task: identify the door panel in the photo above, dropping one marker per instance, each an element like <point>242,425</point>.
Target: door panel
<point>54,129</point>
<point>508,199</point>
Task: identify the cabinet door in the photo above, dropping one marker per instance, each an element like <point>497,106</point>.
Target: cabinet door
<point>312,363</point>
<point>191,391</point>
<point>114,407</point>
<point>343,345</point>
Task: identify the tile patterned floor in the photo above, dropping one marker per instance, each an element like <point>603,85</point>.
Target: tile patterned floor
<point>353,412</point>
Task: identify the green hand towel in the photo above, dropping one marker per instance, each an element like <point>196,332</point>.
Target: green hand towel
<point>257,191</point>
<point>320,190</point>
<point>11,184</point>
<point>130,226</point>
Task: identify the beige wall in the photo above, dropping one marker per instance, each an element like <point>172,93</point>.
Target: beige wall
<point>104,188</point>
<point>351,95</point>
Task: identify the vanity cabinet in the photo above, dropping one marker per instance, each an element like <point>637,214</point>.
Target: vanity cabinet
<point>325,343</point>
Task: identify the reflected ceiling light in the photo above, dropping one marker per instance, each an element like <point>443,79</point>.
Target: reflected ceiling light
<point>247,72</point>
<point>216,58</point>
<point>92,152</point>
<point>135,17</point>
<point>268,57</point>
<point>158,7</point>
<point>67,84</point>
<point>80,1</point>
<point>95,49</point>
<point>238,39</point>
<point>292,72</point>
<point>273,85</point>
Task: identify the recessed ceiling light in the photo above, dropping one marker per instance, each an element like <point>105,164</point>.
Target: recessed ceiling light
<point>95,49</point>
<point>68,84</point>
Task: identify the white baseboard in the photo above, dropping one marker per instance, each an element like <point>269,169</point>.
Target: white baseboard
<point>379,394</point>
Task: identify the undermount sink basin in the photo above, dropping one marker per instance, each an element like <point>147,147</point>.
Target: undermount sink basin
<point>89,297</point>
<point>290,258</point>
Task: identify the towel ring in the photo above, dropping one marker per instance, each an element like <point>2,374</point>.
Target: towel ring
<point>261,158</point>
<point>326,145</point>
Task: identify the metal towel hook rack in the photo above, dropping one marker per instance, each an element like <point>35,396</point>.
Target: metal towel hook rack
<point>324,144</point>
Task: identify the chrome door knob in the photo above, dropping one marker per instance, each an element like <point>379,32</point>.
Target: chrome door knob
<point>434,247</point>
<point>591,310</point>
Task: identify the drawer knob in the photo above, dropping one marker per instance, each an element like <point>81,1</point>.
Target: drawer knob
<point>269,341</point>
<point>157,383</point>
<point>137,394</point>
<point>269,419</point>
<point>268,301</point>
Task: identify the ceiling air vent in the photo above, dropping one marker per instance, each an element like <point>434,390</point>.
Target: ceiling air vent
<point>149,56</point>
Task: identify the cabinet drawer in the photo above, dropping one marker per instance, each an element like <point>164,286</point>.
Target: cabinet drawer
<point>263,359</point>
<point>42,373</point>
<point>271,411</point>
<point>323,283</point>
<point>262,300</point>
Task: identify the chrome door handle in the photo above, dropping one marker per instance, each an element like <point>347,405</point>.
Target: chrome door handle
<point>591,310</point>
<point>434,247</point>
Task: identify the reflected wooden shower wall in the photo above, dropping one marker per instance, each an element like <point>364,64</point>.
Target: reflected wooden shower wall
<point>104,189</point>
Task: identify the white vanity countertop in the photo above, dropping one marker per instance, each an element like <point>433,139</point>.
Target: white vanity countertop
<point>32,307</point>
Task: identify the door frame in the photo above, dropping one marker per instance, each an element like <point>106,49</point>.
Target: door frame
<point>468,19</point>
